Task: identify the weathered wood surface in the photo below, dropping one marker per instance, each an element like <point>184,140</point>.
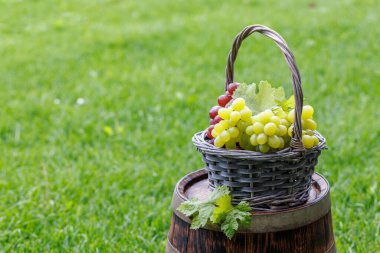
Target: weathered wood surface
<point>306,228</point>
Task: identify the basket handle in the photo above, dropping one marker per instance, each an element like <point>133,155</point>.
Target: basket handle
<point>296,142</point>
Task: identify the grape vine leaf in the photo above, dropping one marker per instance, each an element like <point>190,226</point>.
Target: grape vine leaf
<point>238,215</point>
<point>260,97</point>
<point>223,206</point>
<point>218,209</point>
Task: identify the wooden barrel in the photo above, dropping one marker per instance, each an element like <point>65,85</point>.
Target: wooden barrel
<point>306,228</point>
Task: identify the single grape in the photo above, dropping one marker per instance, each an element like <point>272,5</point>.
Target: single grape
<point>282,143</point>
<point>281,130</point>
<point>265,116</point>
<point>274,141</point>
<point>224,113</point>
<point>310,124</point>
<point>232,87</point>
<point>234,132</point>
<point>270,129</point>
<point>309,132</point>
<point>225,136</point>
<point>258,128</point>
<point>255,119</point>
<point>284,122</point>
<point>291,116</point>
<point>223,100</point>
<point>249,130</point>
<point>246,114</point>
<point>307,112</point>
<point>238,104</point>
<point>231,144</point>
<point>231,123</point>
<point>214,111</point>
<point>235,116</point>
<point>214,133</point>
<point>290,130</point>
<point>209,130</point>
<point>242,125</point>
<point>219,128</point>
<point>217,119</point>
<point>225,125</point>
<point>262,138</point>
<point>308,141</point>
<point>253,140</point>
<point>315,139</point>
<point>303,124</point>
<point>218,142</point>
<point>276,120</point>
<point>264,148</point>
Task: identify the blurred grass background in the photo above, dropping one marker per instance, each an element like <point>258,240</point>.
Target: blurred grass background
<point>99,100</point>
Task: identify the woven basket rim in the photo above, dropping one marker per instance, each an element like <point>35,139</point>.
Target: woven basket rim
<point>199,140</point>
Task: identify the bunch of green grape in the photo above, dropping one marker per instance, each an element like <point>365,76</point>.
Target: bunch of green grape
<point>268,131</point>
<point>235,119</point>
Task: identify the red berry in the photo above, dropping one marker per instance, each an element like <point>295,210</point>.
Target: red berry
<point>223,100</point>
<point>212,122</point>
<point>209,130</point>
<point>217,119</point>
<point>232,87</point>
<point>214,111</point>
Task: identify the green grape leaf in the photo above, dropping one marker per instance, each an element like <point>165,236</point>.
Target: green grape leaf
<point>260,97</point>
<point>223,206</point>
<point>286,104</point>
<point>218,192</point>
<point>234,218</point>
<point>218,209</point>
<point>204,214</point>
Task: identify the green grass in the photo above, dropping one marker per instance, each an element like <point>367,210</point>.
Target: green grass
<point>155,68</point>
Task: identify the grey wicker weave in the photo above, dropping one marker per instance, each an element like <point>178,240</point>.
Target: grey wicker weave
<point>271,180</point>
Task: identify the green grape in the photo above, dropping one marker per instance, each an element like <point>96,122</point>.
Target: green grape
<point>224,113</point>
<point>315,139</point>
<point>235,116</point>
<point>310,124</point>
<point>276,120</point>
<point>253,140</point>
<point>264,148</point>
<point>242,125</point>
<point>290,130</point>
<point>258,128</point>
<point>214,133</point>
<point>231,123</point>
<point>281,130</point>
<point>219,128</point>
<point>284,122</point>
<point>307,112</point>
<point>231,144</point>
<point>255,119</point>
<point>262,138</point>
<point>249,130</point>
<point>309,132</point>
<point>280,112</point>
<point>265,116</point>
<point>225,136</point>
<point>274,141</point>
<point>238,104</point>
<point>244,142</point>
<point>308,141</point>
<point>234,132</point>
<point>303,124</point>
<point>290,116</point>
<point>282,143</point>
<point>270,129</point>
<point>225,125</point>
<point>246,114</point>
<point>218,142</point>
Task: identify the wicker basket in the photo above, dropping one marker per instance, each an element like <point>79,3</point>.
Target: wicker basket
<point>272,180</point>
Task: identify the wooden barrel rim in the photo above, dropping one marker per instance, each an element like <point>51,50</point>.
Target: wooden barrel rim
<point>265,221</point>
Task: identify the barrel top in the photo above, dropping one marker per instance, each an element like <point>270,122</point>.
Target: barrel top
<point>195,185</point>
